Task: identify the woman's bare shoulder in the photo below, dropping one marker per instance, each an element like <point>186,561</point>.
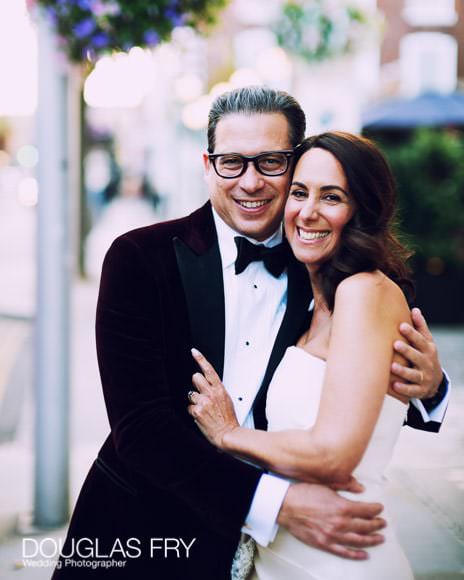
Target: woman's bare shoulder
<point>372,290</point>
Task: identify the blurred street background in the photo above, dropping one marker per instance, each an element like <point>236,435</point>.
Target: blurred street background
<point>95,141</point>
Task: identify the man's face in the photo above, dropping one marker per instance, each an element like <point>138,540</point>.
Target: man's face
<point>251,204</point>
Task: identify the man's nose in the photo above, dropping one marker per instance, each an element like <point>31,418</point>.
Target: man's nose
<point>251,180</point>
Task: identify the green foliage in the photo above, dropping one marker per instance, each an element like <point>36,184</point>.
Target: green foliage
<point>321,29</point>
<point>429,169</point>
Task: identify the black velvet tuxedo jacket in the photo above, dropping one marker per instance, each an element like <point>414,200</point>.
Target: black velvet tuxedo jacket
<point>157,480</point>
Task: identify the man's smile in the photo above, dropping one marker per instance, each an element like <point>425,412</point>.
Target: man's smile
<point>252,205</point>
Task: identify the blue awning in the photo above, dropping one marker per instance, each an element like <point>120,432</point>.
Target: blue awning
<point>427,110</point>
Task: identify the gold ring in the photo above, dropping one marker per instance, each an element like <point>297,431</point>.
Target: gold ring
<point>190,397</point>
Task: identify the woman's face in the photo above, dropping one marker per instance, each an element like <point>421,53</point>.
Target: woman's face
<point>318,207</point>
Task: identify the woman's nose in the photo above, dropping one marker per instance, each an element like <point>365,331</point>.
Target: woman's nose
<point>310,209</point>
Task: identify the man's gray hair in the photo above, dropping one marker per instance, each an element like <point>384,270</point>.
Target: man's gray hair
<point>257,99</point>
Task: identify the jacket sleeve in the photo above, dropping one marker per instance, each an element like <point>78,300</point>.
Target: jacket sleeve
<point>149,435</point>
<point>415,418</point>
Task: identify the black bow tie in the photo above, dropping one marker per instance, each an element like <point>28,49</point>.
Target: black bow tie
<point>275,259</point>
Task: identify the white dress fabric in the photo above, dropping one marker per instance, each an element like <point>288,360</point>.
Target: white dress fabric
<point>292,403</point>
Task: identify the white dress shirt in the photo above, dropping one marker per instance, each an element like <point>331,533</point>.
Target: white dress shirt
<point>255,303</point>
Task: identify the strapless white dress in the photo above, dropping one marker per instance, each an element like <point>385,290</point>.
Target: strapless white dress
<point>292,403</point>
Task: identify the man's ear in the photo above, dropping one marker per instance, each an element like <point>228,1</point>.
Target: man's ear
<point>206,164</point>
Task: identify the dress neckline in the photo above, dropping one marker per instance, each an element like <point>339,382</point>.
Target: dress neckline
<point>324,362</point>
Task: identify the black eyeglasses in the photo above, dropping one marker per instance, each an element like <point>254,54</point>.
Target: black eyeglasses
<point>231,165</point>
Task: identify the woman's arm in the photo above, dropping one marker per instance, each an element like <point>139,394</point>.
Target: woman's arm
<point>368,310</point>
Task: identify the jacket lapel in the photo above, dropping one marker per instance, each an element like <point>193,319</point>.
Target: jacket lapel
<point>200,267</point>
<point>295,321</point>
<point>199,262</point>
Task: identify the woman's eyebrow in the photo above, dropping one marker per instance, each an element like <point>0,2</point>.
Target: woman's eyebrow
<point>329,187</point>
<point>322,188</point>
<point>299,184</point>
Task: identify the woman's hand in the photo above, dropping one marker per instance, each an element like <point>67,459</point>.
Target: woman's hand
<point>211,406</point>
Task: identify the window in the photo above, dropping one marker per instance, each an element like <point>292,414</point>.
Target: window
<point>430,12</point>
<point>428,63</point>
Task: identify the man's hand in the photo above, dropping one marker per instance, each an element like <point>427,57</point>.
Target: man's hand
<point>318,516</point>
<point>422,379</point>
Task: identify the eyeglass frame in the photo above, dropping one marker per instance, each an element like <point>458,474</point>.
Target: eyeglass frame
<point>253,159</point>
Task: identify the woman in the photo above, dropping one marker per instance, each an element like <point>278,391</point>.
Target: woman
<point>330,409</point>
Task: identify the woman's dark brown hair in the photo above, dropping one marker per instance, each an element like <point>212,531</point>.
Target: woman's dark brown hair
<point>368,241</point>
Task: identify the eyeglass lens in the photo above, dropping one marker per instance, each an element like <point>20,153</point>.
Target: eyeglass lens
<point>268,164</point>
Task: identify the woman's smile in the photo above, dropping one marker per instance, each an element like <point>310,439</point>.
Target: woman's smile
<point>312,236</point>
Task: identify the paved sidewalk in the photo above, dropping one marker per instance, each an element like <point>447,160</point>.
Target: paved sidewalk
<point>89,427</point>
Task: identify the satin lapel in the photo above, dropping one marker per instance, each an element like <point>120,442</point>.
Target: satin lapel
<point>296,318</point>
<point>203,284</point>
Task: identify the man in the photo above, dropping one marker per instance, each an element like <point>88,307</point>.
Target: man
<point>173,505</point>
